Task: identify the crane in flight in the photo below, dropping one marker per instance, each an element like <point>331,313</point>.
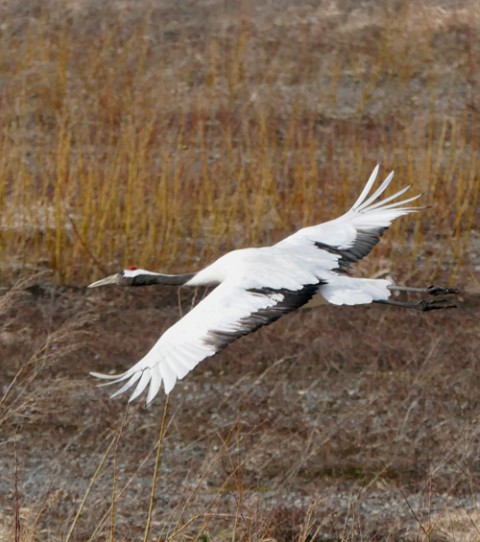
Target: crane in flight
<point>256,286</point>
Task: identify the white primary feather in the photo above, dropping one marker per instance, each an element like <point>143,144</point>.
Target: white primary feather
<point>186,343</point>
<point>342,232</point>
<point>257,285</point>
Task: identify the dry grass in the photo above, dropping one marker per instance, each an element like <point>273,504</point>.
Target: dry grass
<point>23,399</point>
<point>163,133</point>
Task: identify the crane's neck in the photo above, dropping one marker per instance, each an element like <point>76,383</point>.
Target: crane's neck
<point>149,278</point>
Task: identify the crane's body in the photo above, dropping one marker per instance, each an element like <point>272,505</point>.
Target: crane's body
<point>255,286</point>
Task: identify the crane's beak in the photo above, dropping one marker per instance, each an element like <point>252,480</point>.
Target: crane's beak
<point>112,279</point>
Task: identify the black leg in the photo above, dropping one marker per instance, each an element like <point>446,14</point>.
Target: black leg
<point>429,290</point>
<point>423,305</point>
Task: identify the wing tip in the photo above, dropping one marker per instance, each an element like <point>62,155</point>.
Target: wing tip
<point>110,379</point>
<point>104,376</point>
<point>153,390</point>
<point>367,188</point>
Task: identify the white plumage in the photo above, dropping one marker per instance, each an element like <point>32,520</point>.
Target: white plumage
<point>255,286</point>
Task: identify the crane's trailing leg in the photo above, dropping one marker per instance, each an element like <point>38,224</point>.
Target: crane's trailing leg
<point>429,290</point>
<point>424,304</point>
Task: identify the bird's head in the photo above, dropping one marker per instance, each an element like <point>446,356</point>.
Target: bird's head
<point>131,276</point>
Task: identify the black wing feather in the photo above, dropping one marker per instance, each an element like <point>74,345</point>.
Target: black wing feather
<point>292,299</point>
<point>364,242</point>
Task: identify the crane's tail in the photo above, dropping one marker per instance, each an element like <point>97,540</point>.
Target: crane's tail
<point>342,290</point>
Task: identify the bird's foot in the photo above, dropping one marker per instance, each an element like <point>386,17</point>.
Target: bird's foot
<point>441,290</point>
<point>425,305</point>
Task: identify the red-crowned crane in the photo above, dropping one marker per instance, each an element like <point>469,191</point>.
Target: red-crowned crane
<point>256,286</point>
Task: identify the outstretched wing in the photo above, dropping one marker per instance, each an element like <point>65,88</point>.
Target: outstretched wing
<point>226,314</point>
<point>353,235</point>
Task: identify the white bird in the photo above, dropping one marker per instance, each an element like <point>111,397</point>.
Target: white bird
<point>256,286</point>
